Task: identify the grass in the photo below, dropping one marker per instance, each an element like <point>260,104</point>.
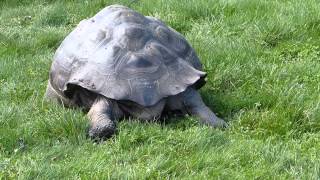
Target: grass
<point>262,57</point>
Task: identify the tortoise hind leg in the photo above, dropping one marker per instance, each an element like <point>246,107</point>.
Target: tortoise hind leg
<point>53,96</point>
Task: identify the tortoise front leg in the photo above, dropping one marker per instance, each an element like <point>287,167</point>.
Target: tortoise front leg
<point>194,105</point>
<point>103,115</point>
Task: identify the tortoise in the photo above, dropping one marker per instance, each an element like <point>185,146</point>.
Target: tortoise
<point>120,63</point>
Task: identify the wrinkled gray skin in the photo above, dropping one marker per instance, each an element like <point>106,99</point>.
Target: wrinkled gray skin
<point>120,63</point>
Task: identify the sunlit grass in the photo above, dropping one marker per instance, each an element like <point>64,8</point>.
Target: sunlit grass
<point>262,59</point>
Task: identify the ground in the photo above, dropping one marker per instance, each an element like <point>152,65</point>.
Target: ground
<point>262,59</point>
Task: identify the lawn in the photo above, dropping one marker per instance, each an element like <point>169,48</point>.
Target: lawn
<point>263,64</point>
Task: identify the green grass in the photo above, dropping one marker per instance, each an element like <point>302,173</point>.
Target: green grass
<point>263,64</point>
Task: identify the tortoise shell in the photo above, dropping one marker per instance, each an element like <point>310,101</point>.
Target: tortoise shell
<point>124,55</point>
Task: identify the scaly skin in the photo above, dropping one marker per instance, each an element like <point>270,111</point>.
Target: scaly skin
<point>195,106</point>
<point>104,113</point>
<point>102,120</point>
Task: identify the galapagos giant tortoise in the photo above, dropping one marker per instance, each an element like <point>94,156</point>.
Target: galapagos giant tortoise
<point>121,63</point>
